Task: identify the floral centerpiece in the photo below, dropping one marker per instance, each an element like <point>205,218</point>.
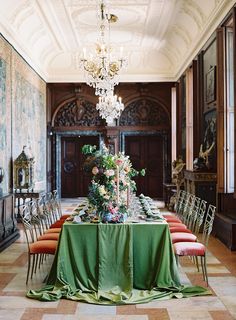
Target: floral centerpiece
<point>111,183</point>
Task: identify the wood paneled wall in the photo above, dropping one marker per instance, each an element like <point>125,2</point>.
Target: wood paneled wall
<point>59,93</point>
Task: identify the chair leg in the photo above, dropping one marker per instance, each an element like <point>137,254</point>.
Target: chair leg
<point>177,260</point>
<point>28,269</point>
<point>205,268</point>
<point>33,266</point>
<point>42,258</point>
<point>36,263</point>
<point>196,259</point>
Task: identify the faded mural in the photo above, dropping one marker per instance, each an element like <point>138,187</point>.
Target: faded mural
<point>5,113</point>
<point>22,118</point>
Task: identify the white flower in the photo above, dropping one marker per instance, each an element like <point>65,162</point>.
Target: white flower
<point>109,173</point>
<point>102,190</point>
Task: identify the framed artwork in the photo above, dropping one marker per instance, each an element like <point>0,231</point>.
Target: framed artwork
<point>211,85</point>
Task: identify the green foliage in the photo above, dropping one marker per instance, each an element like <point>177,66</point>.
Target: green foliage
<point>88,149</point>
<point>110,174</point>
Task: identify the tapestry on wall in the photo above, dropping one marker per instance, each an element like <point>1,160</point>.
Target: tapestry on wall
<point>29,120</point>
<point>5,114</point>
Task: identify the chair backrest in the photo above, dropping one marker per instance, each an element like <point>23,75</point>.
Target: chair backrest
<point>57,204</point>
<point>208,223</point>
<point>181,202</point>
<point>200,216</point>
<point>36,220</point>
<point>178,200</point>
<point>28,222</point>
<point>44,213</point>
<point>187,206</point>
<point>192,217</point>
<point>51,206</point>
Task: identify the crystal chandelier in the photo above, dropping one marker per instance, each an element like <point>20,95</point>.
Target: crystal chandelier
<point>101,69</point>
<point>110,107</point>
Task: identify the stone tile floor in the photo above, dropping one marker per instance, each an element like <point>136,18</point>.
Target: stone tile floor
<point>221,305</point>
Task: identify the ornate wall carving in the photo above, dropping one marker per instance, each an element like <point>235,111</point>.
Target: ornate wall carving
<point>144,112</point>
<point>77,112</point>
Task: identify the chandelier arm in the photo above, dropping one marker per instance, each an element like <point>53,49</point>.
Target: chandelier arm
<point>101,70</point>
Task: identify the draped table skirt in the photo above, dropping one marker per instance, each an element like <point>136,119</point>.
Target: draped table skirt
<point>114,264</point>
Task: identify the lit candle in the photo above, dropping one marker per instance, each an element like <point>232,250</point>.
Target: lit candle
<point>84,53</point>
<point>118,184</point>
<point>121,52</point>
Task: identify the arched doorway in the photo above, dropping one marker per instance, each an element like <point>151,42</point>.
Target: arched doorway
<point>145,139</point>
<point>75,123</point>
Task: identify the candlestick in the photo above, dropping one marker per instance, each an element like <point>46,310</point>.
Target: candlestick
<point>118,184</point>
<point>128,195</point>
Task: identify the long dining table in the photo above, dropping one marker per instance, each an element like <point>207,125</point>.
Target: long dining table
<point>114,264</point>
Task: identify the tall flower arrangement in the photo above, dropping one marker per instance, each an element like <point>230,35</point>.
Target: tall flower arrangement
<point>111,184</point>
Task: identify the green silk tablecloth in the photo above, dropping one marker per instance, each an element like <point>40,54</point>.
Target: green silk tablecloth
<point>114,264</point>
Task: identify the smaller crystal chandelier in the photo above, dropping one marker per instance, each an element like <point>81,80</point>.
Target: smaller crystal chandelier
<point>110,107</point>
<point>102,68</point>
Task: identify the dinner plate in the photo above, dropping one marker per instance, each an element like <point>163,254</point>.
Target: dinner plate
<point>156,211</point>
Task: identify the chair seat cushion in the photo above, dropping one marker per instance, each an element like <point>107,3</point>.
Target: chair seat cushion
<point>47,247</point>
<point>179,229</point>
<point>189,249</point>
<point>169,215</point>
<point>183,237</point>
<point>57,224</point>
<point>65,216</point>
<point>53,230</point>
<point>173,219</point>
<point>177,224</point>
<point>49,236</point>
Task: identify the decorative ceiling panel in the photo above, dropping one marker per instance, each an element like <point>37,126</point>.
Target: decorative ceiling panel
<point>160,37</point>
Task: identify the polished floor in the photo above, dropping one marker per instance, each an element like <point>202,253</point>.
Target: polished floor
<point>220,305</point>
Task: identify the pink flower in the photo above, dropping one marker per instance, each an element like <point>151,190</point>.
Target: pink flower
<point>119,162</point>
<point>113,210</point>
<point>95,170</point>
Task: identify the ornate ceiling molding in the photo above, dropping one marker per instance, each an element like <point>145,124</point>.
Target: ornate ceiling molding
<point>48,33</point>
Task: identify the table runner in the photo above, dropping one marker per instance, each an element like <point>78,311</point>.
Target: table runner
<point>114,264</point>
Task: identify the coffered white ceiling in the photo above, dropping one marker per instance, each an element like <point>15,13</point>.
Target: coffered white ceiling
<point>160,37</point>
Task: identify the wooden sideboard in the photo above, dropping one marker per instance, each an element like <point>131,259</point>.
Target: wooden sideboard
<point>8,223</point>
<point>202,184</point>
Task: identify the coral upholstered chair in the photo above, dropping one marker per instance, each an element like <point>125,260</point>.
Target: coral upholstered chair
<point>197,249</point>
<point>36,248</point>
<point>181,234</point>
<point>195,219</point>
<point>183,237</point>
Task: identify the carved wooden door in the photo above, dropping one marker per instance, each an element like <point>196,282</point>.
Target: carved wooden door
<point>74,180</point>
<point>147,152</point>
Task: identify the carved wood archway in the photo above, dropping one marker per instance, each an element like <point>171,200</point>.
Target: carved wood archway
<point>145,112</point>
<point>76,112</point>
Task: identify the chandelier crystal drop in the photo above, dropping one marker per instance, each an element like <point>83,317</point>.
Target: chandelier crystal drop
<point>110,107</point>
<point>101,68</point>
